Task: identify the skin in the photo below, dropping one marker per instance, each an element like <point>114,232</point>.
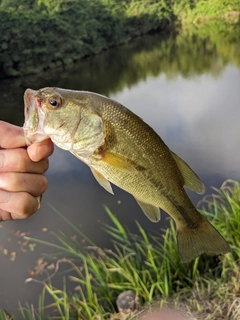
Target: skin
<point>21,172</point>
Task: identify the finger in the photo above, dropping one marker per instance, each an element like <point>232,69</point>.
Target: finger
<point>5,215</point>
<point>35,184</point>
<point>40,150</point>
<point>17,160</point>
<point>11,136</point>
<point>17,205</point>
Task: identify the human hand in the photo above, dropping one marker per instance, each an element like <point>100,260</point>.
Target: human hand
<point>21,172</point>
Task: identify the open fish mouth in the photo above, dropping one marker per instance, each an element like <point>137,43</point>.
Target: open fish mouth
<point>34,117</point>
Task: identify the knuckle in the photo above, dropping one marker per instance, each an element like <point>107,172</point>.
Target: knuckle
<point>25,207</point>
<point>44,184</point>
<point>45,165</point>
<point>42,166</point>
<point>19,162</point>
<point>15,160</point>
<point>3,176</point>
<point>7,179</point>
<point>28,205</point>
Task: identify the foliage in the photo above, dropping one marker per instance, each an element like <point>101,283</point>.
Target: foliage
<point>38,35</point>
<point>148,264</point>
<point>195,11</point>
<point>217,45</point>
<point>41,34</point>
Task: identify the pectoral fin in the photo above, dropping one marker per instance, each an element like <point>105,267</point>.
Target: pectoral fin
<point>118,162</point>
<point>191,180</point>
<point>152,212</point>
<point>102,181</point>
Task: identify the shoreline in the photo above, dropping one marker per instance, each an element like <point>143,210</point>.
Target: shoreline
<point>43,37</point>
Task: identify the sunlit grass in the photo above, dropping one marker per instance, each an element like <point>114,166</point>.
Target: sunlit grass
<point>149,265</point>
<point>198,11</point>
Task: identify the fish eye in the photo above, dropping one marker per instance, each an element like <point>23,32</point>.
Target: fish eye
<point>54,102</point>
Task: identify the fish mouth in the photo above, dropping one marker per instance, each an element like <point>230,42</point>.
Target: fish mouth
<point>34,117</point>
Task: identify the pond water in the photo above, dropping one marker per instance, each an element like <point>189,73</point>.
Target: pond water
<point>186,86</point>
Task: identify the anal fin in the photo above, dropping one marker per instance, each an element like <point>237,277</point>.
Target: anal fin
<point>152,212</point>
<point>102,181</point>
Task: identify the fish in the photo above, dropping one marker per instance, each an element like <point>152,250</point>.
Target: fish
<point>121,149</point>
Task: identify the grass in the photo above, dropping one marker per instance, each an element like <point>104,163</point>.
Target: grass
<point>200,11</point>
<point>4,315</point>
<point>207,288</point>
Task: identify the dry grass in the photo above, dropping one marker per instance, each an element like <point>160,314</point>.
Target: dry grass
<point>207,300</point>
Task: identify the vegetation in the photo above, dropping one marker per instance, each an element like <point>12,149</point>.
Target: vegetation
<point>196,11</point>
<point>172,55</point>
<point>149,264</point>
<point>38,35</point>
<point>41,34</point>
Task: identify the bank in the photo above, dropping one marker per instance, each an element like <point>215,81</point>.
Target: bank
<point>206,288</point>
<point>41,35</point>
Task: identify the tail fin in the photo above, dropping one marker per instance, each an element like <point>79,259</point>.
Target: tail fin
<point>204,239</point>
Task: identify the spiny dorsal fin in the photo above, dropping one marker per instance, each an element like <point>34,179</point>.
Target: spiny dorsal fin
<point>191,180</point>
<point>152,212</point>
<point>102,181</point>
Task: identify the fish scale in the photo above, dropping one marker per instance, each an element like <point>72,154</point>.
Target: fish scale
<point>149,150</point>
<point>120,148</point>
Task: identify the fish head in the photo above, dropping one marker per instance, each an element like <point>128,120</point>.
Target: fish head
<point>65,116</point>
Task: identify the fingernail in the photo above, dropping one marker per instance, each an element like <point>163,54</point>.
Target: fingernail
<point>4,196</point>
<point>1,160</point>
<point>39,199</point>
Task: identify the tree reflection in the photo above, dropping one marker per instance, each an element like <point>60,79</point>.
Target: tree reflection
<point>190,52</point>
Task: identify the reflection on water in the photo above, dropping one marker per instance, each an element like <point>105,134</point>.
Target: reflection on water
<point>197,117</point>
<point>185,86</point>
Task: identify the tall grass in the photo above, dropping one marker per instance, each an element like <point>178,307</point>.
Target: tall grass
<point>146,263</point>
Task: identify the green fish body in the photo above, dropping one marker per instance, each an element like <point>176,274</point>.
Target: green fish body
<point>120,148</point>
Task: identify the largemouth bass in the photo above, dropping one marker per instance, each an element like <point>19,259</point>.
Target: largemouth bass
<point>120,148</point>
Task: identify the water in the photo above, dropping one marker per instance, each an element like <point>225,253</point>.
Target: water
<point>186,87</point>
